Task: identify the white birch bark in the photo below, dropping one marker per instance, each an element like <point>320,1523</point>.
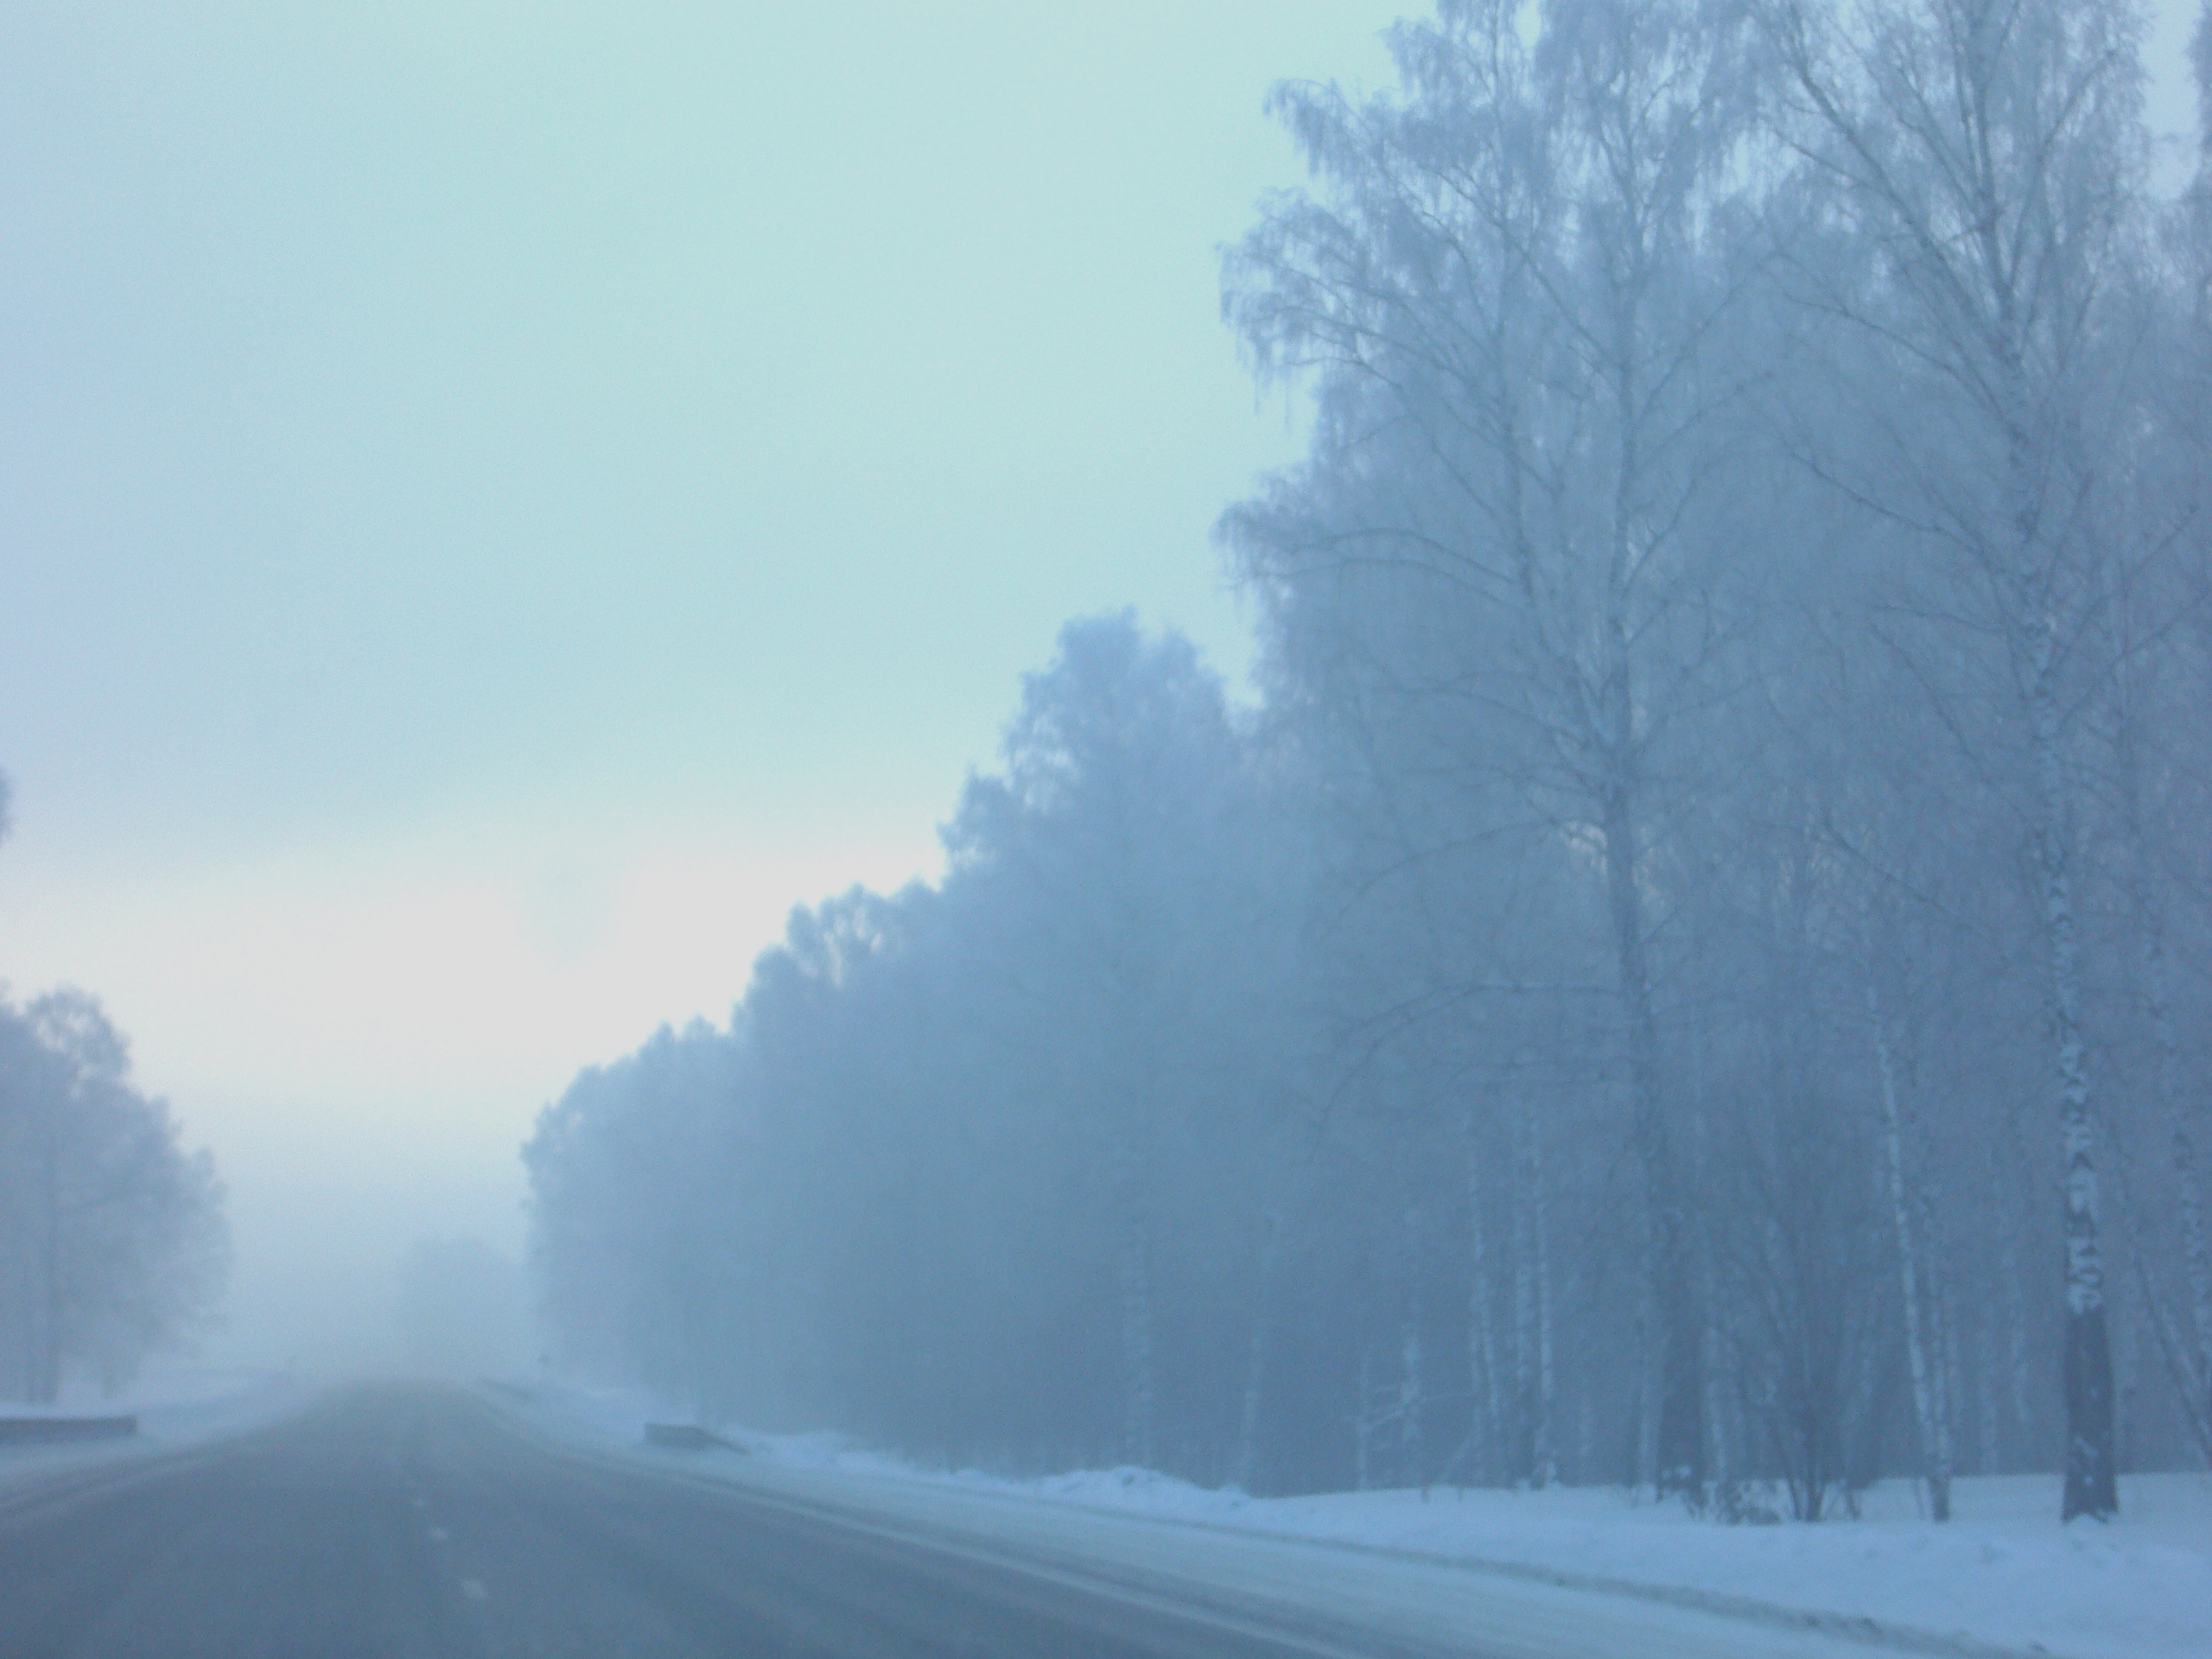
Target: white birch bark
<point>1934,1430</point>
<point>1969,152</point>
<point>2091,1487</point>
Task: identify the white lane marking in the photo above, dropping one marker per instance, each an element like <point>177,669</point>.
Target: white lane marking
<point>473,1589</point>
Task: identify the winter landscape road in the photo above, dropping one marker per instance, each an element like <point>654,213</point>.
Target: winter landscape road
<point>406,1520</point>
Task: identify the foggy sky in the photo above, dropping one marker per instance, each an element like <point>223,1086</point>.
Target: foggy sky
<point>495,506</point>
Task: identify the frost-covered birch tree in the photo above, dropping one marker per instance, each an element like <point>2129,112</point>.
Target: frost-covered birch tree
<point>1513,275</point>
<point>1987,155</point>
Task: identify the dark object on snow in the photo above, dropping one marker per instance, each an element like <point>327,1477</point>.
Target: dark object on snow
<point>685,1437</point>
<point>42,1431</point>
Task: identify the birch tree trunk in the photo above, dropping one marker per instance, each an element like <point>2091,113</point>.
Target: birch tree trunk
<point>1935,1429</point>
<point>1486,1380</point>
<point>1943,1329</point>
<point>2091,1487</point>
<point>1679,1429</point>
<point>1543,1457</point>
<point>1412,1408</point>
<point>1681,1449</point>
<point>1977,141</point>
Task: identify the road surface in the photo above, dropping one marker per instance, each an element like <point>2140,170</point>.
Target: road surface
<point>405,1521</point>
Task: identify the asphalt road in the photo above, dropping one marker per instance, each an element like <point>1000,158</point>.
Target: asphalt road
<point>401,1521</point>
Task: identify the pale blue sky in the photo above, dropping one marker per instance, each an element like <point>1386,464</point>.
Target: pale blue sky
<point>409,409</point>
<point>498,501</point>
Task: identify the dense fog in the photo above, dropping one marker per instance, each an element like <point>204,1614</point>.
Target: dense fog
<point>1693,970</point>
<point>1686,964</point>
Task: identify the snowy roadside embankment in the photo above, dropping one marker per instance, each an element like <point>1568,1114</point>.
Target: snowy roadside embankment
<point>2001,1575</point>
<point>175,1407</point>
<point>2002,1571</point>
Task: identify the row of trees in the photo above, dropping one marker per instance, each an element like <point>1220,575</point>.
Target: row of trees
<point>974,1168</point>
<point>112,1244</point>
<point>1718,878</point>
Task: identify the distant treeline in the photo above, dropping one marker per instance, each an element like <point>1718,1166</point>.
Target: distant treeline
<point>1698,969</point>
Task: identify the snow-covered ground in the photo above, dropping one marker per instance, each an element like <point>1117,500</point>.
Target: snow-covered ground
<point>2002,1571</point>
<point>2001,1575</point>
<point>176,1405</point>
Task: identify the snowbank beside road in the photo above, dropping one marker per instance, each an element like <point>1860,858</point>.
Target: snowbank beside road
<point>176,1406</point>
<point>2002,1574</point>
